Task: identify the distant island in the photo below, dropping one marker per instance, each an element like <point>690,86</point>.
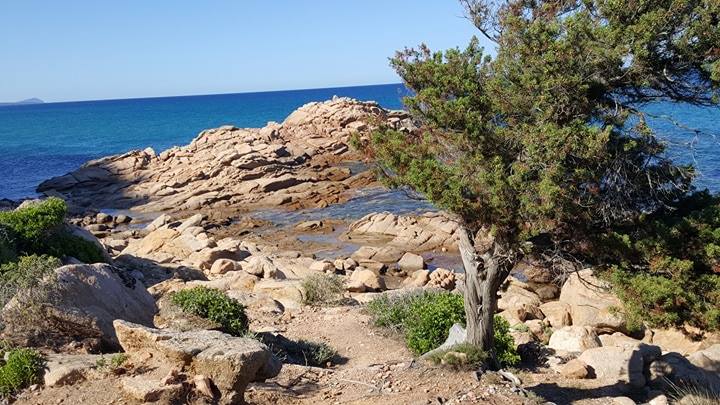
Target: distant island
<point>23,102</point>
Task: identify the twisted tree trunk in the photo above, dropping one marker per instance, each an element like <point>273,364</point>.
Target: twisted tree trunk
<point>485,271</point>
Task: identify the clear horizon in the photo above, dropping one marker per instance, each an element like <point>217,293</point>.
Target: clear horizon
<point>85,51</point>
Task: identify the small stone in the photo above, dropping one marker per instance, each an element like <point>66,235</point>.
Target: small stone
<point>574,369</point>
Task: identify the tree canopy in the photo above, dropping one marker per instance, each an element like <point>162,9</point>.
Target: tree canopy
<point>545,146</point>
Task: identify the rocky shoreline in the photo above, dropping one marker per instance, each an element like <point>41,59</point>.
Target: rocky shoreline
<point>190,217</point>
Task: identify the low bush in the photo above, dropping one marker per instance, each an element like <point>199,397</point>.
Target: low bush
<point>31,223</point>
<point>322,289</point>
<point>22,368</point>
<point>463,356</point>
<point>8,252</point>
<point>425,319</point>
<point>29,281</point>
<point>214,305</point>
<point>316,354</point>
<point>62,244</point>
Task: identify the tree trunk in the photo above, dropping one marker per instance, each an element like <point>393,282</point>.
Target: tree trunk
<point>485,272</point>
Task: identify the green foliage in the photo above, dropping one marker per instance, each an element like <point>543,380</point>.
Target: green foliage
<point>29,281</point>
<point>62,243</point>
<point>322,289</point>
<point>37,229</point>
<point>23,368</point>
<point>116,361</point>
<point>316,354</point>
<point>33,222</point>
<point>666,267</point>
<point>505,351</point>
<point>214,305</point>
<point>429,319</point>
<point>471,359</point>
<point>425,319</point>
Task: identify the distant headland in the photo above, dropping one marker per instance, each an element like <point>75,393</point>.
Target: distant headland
<point>23,102</point>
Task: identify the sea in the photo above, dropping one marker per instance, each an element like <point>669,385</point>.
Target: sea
<point>41,141</point>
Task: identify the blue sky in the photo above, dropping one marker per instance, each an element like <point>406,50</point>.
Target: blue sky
<point>84,50</point>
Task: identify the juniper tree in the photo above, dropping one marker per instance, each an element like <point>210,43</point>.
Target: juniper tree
<point>543,146</point>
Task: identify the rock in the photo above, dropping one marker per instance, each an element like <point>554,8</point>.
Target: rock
<point>287,292</point>
<point>84,234</point>
<point>659,400</point>
<point>369,279</point>
<point>87,299</point>
<point>122,219</point>
<point>230,362</point>
<point>355,286</point>
<point>67,369</point>
<point>456,335</point>
<point>324,266</point>
<point>309,225</point>
<point>411,262</point>
<point>574,369</point>
<point>158,222</point>
<point>556,313</point>
<point>624,365</point>
<point>442,278</point>
<point>699,370</point>
<point>191,222</point>
<point>574,339</point>
<point>622,401</point>
<point>591,302</point>
<point>674,340</point>
<point>417,233</point>
<point>388,254</point>
<point>418,278</point>
<point>203,385</point>
<point>102,218</point>
<point>144,389</point>
<point>222,266</point>
<point>523,304</point>
<point>259,266</point>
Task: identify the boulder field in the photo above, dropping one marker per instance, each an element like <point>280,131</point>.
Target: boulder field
<point>178,228</point>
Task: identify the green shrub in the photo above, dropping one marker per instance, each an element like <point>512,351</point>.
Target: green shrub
<point>116,361</point>
<point>322,289</point>
<point>425,319</point>
<point>214,305</point>
<point>62,244</point>
<point>473,358</point>
<point>316,354</point>
<point>29,280</point>
<point>23,368</point>
<point>429,319</point>
<point>33,222</point>
<point>8,252</point>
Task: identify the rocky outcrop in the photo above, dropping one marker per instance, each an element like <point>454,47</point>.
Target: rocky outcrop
<point>85,300</point>
<point>591,303</point>
<point>414,233</point>
<point>230,363</point>
<point>280,164</point>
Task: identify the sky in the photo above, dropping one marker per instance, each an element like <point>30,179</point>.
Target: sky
<point>100,49</point>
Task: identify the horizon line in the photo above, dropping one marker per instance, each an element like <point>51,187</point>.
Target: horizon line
<point>15,104</point>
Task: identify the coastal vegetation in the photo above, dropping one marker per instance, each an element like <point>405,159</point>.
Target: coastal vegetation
<point>19,369</point>
<point>543,151</point>
<point>425,318</point>
<point>214,305</point>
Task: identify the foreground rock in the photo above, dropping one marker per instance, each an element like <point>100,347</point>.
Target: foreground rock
<point>85,300</point>
<point>280,164</point>
<point>229,363</point>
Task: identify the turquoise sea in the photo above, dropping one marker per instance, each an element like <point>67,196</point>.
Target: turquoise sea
<point>45,140</point>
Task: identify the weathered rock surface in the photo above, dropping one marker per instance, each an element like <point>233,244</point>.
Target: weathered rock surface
<point>229,362</point>
<point>701,369</point>
<point>574,339</point>
<point>87,299</point>
<point>279,164</point>
<point>415,233</point>
<point>591,302</point>
<point>624,365</point>
<point>66,369</point>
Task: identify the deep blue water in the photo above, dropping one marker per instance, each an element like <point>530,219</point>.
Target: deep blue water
<point>45,140</point>
<point>41,141</point>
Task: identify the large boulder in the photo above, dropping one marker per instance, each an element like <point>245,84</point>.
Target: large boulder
<point>523,304</point>
<point>369,279</point>
<point>415,233</point>
<point>574,339</point>
<point>591,302</point>
<point>85,300</point>
<point>623,365</point>
<point>230,363</point>
<point>674,369</point>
